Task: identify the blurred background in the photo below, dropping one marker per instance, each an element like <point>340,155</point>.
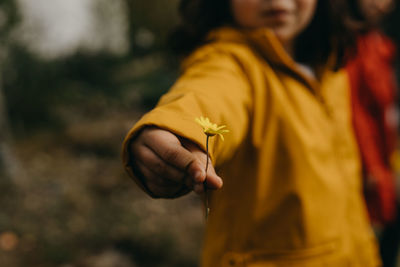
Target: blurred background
<point>74,77</point>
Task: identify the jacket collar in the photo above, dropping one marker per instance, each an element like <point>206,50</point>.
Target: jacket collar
<point>262,39</point>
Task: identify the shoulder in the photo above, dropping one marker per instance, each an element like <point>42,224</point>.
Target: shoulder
<point>224,46</point>
<point>377,44</point>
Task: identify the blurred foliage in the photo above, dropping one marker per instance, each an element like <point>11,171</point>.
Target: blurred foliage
<point>36,88</point>
<point>33,88</point>
<point>156,16</point>
<point>8,17</point>
<point>75,206</point>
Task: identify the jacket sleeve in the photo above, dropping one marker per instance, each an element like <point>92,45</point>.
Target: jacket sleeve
<point>212,85</point>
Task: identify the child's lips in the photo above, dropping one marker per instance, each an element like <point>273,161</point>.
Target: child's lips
<point>276,14</point>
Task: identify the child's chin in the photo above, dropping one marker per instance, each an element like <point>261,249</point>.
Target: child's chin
<point>284,35</point>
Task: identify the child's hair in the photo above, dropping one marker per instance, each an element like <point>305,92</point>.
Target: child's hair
<point>335,25</point>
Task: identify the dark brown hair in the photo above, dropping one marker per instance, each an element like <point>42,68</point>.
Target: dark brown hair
<point>336,25</point>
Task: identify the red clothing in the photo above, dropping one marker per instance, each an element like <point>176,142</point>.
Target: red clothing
<point>373,89</point>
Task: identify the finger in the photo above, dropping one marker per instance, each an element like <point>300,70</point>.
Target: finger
<point>196,169</point>
<point>160,187</point>
<point>158,166</point>
<point>211,181</point>
<point>168,147</point>
<point>153,178</point>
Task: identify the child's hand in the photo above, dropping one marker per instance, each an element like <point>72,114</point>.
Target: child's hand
<point>169,166</point>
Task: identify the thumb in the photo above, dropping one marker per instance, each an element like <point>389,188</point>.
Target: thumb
<point>196,170</point>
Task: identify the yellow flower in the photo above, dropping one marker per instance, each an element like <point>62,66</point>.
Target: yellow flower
<point>211,129</point>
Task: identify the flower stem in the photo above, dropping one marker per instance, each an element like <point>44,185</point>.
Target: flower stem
<point>208,137</point>
<point>205,183</point>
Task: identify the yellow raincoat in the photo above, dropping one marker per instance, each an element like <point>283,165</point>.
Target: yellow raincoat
<point>292,193</point>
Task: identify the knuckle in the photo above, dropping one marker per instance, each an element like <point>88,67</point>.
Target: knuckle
<point>160,168</point>
<point>139,172</point>
<point>143,153</point>
<point>171,155</point>
<point>138,152</point>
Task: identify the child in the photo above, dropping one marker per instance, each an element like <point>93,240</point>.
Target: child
<point>372,80</point>
<point>373,89</point>
<point>270,70</point>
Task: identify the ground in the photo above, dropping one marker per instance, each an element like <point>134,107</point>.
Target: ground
<point>73,204</point>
